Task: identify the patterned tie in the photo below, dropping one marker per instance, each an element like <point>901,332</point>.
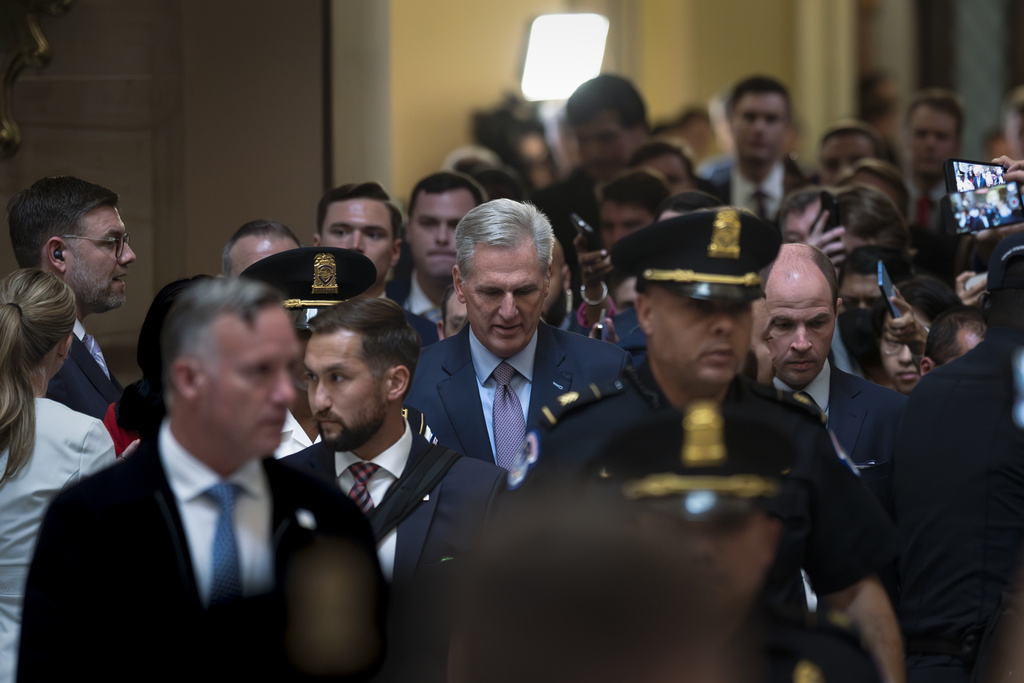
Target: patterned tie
<point>227,578</point>
<point>94,351</point>
<point>509,424</point>
<point>362,471</point>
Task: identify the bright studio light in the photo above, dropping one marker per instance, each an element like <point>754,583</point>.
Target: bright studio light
<point>564,51</point>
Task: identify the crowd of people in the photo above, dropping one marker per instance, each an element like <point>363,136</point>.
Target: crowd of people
<point>654,420</point>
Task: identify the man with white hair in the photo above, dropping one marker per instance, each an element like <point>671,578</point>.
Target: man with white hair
<point>480,388</point>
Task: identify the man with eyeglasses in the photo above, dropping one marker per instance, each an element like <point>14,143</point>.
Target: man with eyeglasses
<point>72,228</point>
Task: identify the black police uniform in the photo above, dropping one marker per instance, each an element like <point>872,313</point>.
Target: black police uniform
<point>823,646</point>
<point>832,526</point>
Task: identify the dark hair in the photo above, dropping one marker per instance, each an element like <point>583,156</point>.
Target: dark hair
<point>141,407</point>
<point>869,214</point>
<point>684,119</point>
<point>659,147</point>
<point>639,188</point>
<point>884,171</point>
<point>387,338</point>
<point>50,208</point>
<point>367,190</point>
<point>685,202</point>
<point>798,200</point>
<point>940,99</point>
<point>929,295</point>
<point>854,127</point>
<point>606,93</point>
<point>943,344</point>
<point>259,228</point>
<point>447,181</point>
<point>864,261</point>
<point>756,85</point>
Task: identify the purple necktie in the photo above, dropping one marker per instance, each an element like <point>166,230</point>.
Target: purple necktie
<point>362,471</point>
<point>509,424</point>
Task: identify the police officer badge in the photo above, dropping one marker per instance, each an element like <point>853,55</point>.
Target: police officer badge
<point>524,462</point>
<point>325,275</point>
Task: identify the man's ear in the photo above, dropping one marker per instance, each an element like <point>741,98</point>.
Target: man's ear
<point>396,383</point>
<point>396,251</point>
<point>187,377</point>
<point>316,239</point>
<point>927,365</point>
<point>457,283</point>
<point>643,311</point>
<point>54,258</point>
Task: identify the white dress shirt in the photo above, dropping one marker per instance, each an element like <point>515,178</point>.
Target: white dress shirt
<point>189,479</point>
<point>79,329</point>
<point>773,187</point>
<point>484,363</point>
<point>419,303</point>
<point>817,388</point>
<point>293,438</point>
<point>391,463</point>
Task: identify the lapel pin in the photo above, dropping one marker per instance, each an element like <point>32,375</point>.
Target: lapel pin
<point>305,519</point>
<point>558,386</point>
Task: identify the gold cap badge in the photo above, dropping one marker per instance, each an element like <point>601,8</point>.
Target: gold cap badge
<point>725,235</point>
<point>703,444</point>
<point>325,274</point>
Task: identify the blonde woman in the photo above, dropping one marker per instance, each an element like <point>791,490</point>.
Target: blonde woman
<point>44,446</point>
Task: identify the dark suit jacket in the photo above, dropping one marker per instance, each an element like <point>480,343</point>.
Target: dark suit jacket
<point>864,417</point>
<point>445,389</point>
<point>81,384</point>
<point>430,541</point>
<point>111,593</point>
<point>443,526</point>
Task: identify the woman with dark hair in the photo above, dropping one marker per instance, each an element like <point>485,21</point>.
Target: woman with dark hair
<point>140,410</point>
<point>44,445</point>
<point>901,341</point>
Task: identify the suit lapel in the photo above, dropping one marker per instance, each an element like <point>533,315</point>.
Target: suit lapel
<point>549,380</point>
<point>160,502</point>
<point>412,531</point>
<point>846,415</point>
<point>461,400</point>
<point>108,388</point>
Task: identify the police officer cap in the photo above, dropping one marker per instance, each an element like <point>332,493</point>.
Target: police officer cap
<point>710,254</point>
<point>1008,249</point>
<point>711,463</point>
<point>312,278</point>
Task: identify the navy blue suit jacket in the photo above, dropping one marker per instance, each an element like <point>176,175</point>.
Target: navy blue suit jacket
<point>864,417</point>
<point>445,388</point>
<point>112,558</point>
<point>81,385</point>
<point>445,525</point>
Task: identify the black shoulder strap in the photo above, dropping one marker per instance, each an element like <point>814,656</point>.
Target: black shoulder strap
<point>406,493</point>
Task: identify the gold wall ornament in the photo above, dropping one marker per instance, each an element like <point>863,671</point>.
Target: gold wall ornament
<point>703,438</point>
<point>725,235</point>
<point>325,274</point>
<point>22,44</point>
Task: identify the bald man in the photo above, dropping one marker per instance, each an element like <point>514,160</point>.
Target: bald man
<point>802,301</point>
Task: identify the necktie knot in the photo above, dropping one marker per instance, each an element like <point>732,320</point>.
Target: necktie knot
<point>503,374</point>
<point>224,493</point>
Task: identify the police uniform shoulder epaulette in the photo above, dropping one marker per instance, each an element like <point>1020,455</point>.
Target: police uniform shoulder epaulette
<point>417,422</point>
<point>793,401</point>
<point>572,400</point>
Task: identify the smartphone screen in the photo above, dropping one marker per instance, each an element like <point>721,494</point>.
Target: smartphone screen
<point>986,208</point>
<point>964,176</point>
<point>885,286</point>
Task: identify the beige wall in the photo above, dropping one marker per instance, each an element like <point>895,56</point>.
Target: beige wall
<point>202,116</point>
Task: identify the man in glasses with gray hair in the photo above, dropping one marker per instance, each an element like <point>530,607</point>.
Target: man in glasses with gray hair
<point>72,228</point>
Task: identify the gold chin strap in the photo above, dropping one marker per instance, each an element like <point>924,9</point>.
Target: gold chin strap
<point>668,484</point>
<point>684,276</point>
